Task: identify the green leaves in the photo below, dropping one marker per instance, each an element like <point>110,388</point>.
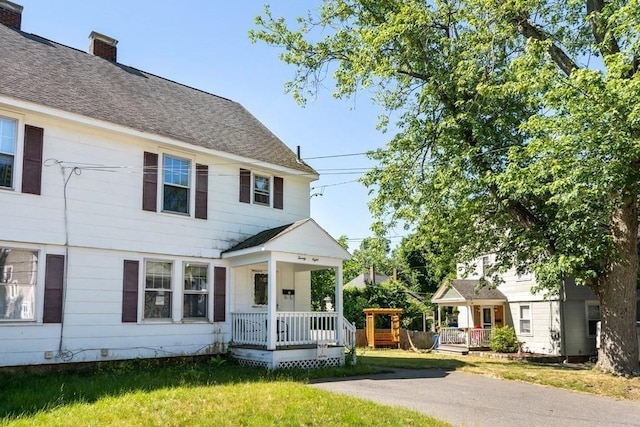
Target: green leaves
<point>518,129</point>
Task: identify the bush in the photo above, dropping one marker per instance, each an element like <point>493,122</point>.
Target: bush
<point>504,340</point>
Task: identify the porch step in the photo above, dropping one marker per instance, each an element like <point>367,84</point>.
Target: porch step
<point>452,349</point>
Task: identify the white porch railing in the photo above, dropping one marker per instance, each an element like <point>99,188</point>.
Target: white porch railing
<point>479,338</point>
<point>472,338</point>
<point>293,328</point>
<point>249,328</point>
<point>349,334</point>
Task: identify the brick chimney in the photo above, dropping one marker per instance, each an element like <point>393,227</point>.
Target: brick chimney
<point>10,14</point>
<point>103,46</point>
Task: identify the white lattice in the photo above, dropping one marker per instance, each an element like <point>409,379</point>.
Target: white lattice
<point>310,363</point>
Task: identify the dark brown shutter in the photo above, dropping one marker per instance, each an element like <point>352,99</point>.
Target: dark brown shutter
<point>278,192</point>
<point>53,289</point>
<point>245,186</point>
<point>219,294</point>
<point>130,291</point>
<point>32,160</point>
<point>150,182</point>
<point>202,189</point>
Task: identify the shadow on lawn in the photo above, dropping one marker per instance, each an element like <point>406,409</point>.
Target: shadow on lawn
<point>24,393</point>
<point>370,358</point>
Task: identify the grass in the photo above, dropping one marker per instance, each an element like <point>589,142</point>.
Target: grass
<point>583,378</point>
<point>167,393</point>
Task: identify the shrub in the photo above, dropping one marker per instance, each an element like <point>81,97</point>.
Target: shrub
<point>504,340</point>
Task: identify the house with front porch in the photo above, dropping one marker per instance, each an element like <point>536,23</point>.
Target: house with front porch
<point>145,218</point>
<point>469,309</point>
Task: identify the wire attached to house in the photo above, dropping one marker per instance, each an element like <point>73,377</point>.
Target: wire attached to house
<point>63,354</point>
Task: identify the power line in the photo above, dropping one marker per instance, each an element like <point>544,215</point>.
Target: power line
<point>337,155</point>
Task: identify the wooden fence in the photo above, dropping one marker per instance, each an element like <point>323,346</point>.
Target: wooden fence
<point>421,340</point>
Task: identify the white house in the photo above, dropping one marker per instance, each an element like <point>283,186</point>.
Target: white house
<point>562,324</point>
<point>144,218</point>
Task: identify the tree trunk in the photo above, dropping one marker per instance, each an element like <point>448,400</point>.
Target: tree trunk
<point>618,352</point>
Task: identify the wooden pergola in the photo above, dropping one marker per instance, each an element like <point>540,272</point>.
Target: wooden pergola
<point>383,339</point>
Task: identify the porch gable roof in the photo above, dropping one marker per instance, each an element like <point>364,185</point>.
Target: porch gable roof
<point>461,291</point>
<point>304,237</point>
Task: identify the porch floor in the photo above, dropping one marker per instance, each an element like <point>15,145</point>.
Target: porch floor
<point>279,347</point>
<point>453,349</point>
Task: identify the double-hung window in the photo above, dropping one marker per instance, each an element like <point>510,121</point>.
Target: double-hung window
<point>525,319</point>
<point>158,290</point>
<point>8,132</point>
<point>261,190</point>
<point>593,317</point>
<point>176,188</point>
<point>18,279</point>
<point>196,291</point>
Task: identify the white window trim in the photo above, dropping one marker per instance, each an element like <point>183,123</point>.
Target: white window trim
<point>37,287</point>
<point>192,182</point>
<point>269,177</point>
<point>175,308</point>
<point>587,304</point>
<point>253,288</point>
<point>208,292</point>
<point>520,319</point>
<point>16,179</point>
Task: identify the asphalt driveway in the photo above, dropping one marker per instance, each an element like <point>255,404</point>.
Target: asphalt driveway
<point>473,400</point>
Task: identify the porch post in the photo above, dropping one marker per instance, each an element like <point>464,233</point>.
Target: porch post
<point>271,303</point>
<point>339,309</point>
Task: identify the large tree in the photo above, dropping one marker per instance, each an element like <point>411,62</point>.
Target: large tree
<point>518,128</point>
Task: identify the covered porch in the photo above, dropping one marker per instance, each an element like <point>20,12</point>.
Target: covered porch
<point>467,314</point>
<point>272,324</point>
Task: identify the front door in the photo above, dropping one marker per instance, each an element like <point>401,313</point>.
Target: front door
<point>487,321</point>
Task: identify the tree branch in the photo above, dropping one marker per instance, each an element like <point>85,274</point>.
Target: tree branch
<point>559,56</point>
<point>608,44</point>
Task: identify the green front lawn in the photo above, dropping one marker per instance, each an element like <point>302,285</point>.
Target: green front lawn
<point>161,393</point>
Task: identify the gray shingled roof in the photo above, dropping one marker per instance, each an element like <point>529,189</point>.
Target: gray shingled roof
<point>44,72</point>
<point>365,279</point>
<point>469,290</point>
<point>259,239</point>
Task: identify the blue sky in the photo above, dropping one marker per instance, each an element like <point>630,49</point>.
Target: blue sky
<point>205,44</point>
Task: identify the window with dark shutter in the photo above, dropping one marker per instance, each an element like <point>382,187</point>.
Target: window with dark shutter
<point>53,289</point>
<point>278,192</point>
<point>32,160</point>
<point>150,182</point>
<point>202,189</point>
<point>245,186</point>
<point>130,291</point>
<point>219,294</point>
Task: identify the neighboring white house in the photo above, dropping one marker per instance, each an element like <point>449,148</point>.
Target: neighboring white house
<point>144,218</point>
<point>557,325</point>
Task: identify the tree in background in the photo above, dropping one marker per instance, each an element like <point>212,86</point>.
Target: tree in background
<point>390,294</point>
<point>323,282</point>
<point>518,131</point>
<point>422,264</point>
